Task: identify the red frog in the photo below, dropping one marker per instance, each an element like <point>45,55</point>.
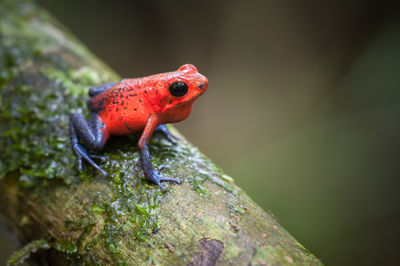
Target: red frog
<point>131,105</point>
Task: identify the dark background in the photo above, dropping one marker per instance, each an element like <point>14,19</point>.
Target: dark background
<point>302,108</point>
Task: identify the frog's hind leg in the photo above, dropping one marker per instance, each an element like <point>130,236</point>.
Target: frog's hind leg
<point>92,134</point>
<point>99,89</point>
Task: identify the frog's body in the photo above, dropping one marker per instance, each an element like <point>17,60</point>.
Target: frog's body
<point>141,104</point>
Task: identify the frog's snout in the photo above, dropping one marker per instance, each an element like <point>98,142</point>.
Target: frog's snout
<point>203,83</point>
<point>202,87</point>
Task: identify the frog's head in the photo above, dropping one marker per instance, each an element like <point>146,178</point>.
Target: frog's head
<point>184,86</point>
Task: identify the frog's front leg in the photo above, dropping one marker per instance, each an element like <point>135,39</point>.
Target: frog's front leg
<point>145,158</point>
<point>92,134</point>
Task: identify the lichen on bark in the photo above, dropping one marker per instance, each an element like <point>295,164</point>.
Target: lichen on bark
<point>45,74</point>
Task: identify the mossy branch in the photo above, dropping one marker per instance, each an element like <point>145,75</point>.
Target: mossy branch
<point>121,219</point>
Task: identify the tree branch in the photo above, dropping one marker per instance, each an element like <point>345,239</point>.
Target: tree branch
<point>45,74</point>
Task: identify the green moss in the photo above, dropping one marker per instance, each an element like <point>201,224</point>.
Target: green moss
<point>303,248</point>
<point>24,253</point>
<point>87,75</point>
<point>60,76</point>
<point>38,92</point>
<point>96,209</point>
<point>236,209</point>
<point>227,178</point>
<point>66,247</point>
<point>203,166</point>
<point>35,129</point>
<point>76,82</point>
<point>113,249</point>
<point>198,163</point>
<point>36,110</point>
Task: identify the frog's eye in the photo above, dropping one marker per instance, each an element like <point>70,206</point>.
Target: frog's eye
<point>178,89</point>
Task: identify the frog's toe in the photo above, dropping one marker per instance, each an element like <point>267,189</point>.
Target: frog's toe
<point>101,170</point>
<point>161,186</point>
<point>158,179</point>
<point>81,153</point>
<point>90,161</point>
<point>170,179</point>
<point>172,139</point>
<point>167,134</point>
<point>160,168</point>
<point>80,164</point>
<point>165,179</point>
<point>102,158</point>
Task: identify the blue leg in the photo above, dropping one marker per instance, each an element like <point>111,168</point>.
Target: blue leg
<point>165,131</point>
<point>99,89</point>
<point>145,159</point>
<point>151,174</point>
<point>93,135</point>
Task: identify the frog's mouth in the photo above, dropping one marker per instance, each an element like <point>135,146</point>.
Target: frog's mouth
<point>191,100</point>
<point>181,103</point>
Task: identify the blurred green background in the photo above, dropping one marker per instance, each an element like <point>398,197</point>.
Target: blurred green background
<point>302,108</point>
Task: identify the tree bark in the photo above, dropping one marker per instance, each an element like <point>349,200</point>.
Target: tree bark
<point>72,218</point>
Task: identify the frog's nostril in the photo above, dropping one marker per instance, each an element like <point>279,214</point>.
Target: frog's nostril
<point>201,86</point>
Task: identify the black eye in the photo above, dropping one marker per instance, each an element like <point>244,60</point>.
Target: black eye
<point>178,89</point>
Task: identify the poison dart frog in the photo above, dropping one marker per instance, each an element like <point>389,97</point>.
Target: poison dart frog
<point>136,105</point>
